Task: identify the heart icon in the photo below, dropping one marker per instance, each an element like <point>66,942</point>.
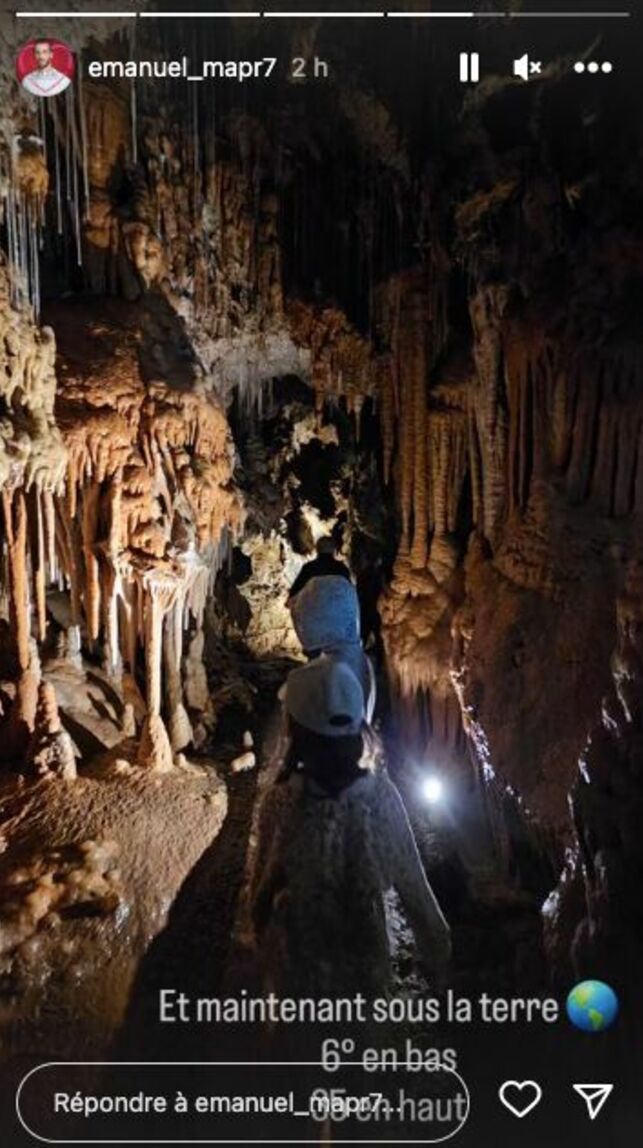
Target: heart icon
<point>520,1096</point>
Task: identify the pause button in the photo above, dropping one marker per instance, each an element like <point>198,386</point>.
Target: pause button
<point>469,67</point>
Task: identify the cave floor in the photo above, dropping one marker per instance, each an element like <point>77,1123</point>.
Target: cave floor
<point>166,904</point>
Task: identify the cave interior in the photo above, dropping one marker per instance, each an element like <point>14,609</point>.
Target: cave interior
<point>235,318</point>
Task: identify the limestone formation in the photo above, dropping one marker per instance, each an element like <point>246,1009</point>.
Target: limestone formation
<point>50,750</point>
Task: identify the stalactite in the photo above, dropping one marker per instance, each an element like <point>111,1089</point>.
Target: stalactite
<point>406,455</point>
<point>91,497</point>
<point>23,710</point>
<point>70,554</point>
<point>68,153</point>
<point>342,360</point>
<point>596,433</point>
<point>476,468</point>
<point>526,437</point>
<point>84,144</point>
<point>49,519</point>
<point>23,185</point>
<point>458,472</point>
<point>487,308</point>
<point>417,368</point>
<point>448,448</point>
<point>38,561</point>
<point>15,518</point>
<point>58,169</point>
<point>386,394</point>
<point>629,442</point>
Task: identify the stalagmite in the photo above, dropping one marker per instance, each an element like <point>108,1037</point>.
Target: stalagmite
<point>243,762</point>
<point>179,727</point>
<point>197,694</point>
<point>110,598</point>
<point>155,751</point>
<point>155,607</point>
<point>50,751</point>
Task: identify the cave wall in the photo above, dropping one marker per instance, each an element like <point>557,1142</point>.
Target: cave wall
<point>516,446</point>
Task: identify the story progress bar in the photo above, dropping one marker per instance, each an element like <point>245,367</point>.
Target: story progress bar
<point>292,15</point>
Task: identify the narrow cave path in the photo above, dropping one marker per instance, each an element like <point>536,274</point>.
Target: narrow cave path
<point>496,940</point>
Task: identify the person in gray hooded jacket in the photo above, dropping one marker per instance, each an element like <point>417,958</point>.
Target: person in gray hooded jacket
<point>331,842</point>
<point>326,618</point>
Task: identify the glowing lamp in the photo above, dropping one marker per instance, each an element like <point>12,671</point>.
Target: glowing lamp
<point>432,790</point>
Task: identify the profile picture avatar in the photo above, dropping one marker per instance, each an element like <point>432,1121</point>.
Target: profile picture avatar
<point>45,67</point>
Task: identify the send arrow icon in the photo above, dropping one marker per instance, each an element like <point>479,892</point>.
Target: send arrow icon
<point>594,1096</point>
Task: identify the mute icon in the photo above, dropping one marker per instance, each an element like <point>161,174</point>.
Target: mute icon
<point>526,68</point>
